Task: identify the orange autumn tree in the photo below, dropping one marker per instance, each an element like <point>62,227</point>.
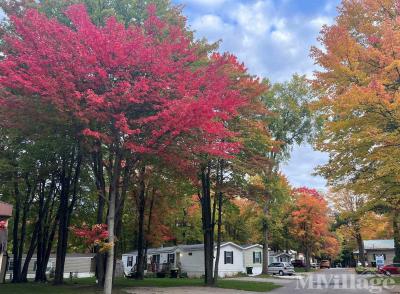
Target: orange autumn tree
<point>309,222</point>
<point>331,246</point>
<point>360,103</point>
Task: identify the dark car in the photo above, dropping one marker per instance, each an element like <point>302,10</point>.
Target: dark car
<point>325,264</point>
<point>298,263</point>
<point>393,268</point>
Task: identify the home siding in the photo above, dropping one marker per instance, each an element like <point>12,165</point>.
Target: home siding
<point>79,266</point>
<point>248,257</point>
<point>388,252</point>
<point>248,260</point>
<point>192,264</point>
<point>226,270</point>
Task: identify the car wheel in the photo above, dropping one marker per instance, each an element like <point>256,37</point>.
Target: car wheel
<point>281,273</point>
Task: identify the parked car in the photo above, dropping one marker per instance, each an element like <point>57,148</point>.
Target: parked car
<point>298,263</point>
<point>281,268</point>
<point>393,268</point>
<point>325,264</point>
<point>366,263</point>
<point>313,264</point>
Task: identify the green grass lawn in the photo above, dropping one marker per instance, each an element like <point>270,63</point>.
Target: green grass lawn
<point>86,286</point>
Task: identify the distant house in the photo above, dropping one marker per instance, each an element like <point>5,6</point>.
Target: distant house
<point>76,265</point>
<point>5,214</point>
<point>188,259</point>
<point>279,257</point>
<point>373,248</point>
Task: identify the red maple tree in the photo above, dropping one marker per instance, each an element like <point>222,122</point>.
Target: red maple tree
<point>140,89</point>
<point>96,235</point>
<point>309,221</point>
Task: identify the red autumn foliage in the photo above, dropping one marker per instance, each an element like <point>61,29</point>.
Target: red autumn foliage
<point>310,222</point>
<point>139,86</point>
<point>3,225</point>
<point>95,235</point>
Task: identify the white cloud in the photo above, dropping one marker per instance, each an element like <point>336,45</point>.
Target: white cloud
<point>281,36</point>
<point>273,41</point>
<point>301,166</point>
<point>319,21</point>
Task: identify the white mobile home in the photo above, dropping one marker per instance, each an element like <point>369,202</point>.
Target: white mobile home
<point>188,259</point>
<point>252,255</point>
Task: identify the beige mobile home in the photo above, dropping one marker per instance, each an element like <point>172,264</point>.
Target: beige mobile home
<point>76,265</point>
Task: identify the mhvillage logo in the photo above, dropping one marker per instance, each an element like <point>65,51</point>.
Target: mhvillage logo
<point>345,282</point>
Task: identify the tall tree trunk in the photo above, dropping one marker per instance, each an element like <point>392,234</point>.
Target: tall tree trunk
<point>70,177</point>
<point>17,262</point>
<point>396,235</point>
<point>29,254</point>
<point>119,210</point>
<point>40,275</point>
<point>208,227</point>
<point>15,232</point>
<point>149,221</point>
<point>115,175</point>
<point>360,245</point>
<point>308,257</point>
<point>265,235</point>
<point>219,233</point>
<point>62,228</point>
<point>141,205</point>
<point>98,170</point>
<point>220,180</point>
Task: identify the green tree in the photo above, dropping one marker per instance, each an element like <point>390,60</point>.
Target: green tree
<point>291,122</point>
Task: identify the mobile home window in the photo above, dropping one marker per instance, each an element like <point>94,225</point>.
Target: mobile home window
<point>171,258</point>
<point>34,265</point>
<point>130,261</point>
<point>256,257</point>
<point>228,257</point>
<point>156,258</point>
<point>11,265</point>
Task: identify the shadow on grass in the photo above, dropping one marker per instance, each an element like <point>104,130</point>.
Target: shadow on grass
<point>87,286</point>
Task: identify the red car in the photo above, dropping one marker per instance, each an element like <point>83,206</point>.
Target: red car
<point>390,268</point>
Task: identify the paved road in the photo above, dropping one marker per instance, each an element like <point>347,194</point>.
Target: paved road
<point>331,281</point>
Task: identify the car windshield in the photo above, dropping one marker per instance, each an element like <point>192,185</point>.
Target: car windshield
<point>287,264</point>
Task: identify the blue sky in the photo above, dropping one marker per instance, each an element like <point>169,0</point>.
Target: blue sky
<point>273,39</point>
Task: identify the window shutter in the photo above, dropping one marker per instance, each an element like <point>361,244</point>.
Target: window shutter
<point>232,257</point>
<point>254,257</point>
<point>224,257</point>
